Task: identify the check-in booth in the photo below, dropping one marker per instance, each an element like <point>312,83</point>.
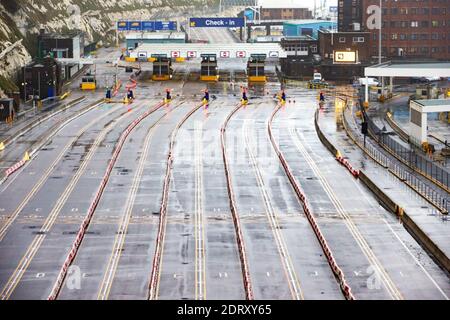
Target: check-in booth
<point>255,68</point>
<point>162,67</point>
<point>88,82</point>
<point>418,117</point>
<point>208,69</point>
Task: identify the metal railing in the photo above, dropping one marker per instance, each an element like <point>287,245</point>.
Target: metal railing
<point>437,199</point>
<point>410,157</point>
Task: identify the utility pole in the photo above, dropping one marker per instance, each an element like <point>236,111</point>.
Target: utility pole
<point>379,34</point>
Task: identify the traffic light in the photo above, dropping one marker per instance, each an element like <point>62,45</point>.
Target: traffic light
<point>364,128</point>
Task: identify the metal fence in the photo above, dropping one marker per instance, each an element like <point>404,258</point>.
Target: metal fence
<point>409,156</point>
<point>438,199</point>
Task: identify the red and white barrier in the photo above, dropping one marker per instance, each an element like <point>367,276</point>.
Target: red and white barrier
<point>347,164</point>
<point>14,168</point>
<point>308,212</point>
<point>85,224</point>
<point>234,213</point>
<point>132,85</point>
<point>117,88</point>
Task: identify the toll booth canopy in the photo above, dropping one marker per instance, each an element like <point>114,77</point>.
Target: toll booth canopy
<point>255,67</point>
<point>162,67</point>
<point>209,70</point>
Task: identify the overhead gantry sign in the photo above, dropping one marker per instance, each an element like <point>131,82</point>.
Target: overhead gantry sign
<point>221,50</point>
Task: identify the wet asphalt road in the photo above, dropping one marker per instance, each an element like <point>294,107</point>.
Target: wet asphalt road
<point>378,256</point>
<point>42,206</point>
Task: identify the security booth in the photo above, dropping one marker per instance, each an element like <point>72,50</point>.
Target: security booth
<point>6,109</point>
<point>418,117</point>
<point>88,82</point>
<point>209,70</point>
<point>255,68</point>
<point>427,91</point>
<point>162,67</point>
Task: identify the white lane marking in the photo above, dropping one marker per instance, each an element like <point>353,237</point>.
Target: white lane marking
<point>417,262</point>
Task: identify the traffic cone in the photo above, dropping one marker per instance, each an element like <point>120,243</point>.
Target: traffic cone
<point>338,154</point>
<point>125,100</point>
<point>2,146</point>
<point>26,157</point>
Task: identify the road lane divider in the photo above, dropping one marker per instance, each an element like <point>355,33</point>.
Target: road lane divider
<point>33,248</point>
<point>309,214</point>
<point>272,217</point>
<point>157,257</point>
<point>236,220</point>
<point>119,241</point>
<point>347,219</point>
<point>199,225</point>
<point>12,217</point>
<point>90,212</point>
<point>395,208</point>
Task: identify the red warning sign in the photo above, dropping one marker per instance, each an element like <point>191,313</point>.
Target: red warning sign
<point>175,54</point>
<point>224,54</point>
<point>192,54</point>
<point>240,54</point>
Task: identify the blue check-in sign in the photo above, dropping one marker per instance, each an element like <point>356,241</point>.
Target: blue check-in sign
<point>216,22</point>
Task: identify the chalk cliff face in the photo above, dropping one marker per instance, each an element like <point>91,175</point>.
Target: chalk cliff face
<point>22,20</point>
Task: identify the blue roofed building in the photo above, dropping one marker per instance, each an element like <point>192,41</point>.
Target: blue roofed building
<point>307,28</point>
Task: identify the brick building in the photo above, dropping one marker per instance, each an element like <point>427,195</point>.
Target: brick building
<point>410,28</point>
<point>344,54</point>
<point>350,14</point>
<point>283,13</point>
<point>302,57</point>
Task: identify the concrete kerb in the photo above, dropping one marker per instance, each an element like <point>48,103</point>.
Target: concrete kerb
<point>409,224</point>
<point>332,148</point>
<point>308,212</point>
<point>423,239</point>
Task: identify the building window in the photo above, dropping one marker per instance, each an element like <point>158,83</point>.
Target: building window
<point>414,36</point>
<point>314,49</point>
<point>424,36</point>
<point>403,10</point>
<point>358,39</point>
<point>414,24</point>
<point>394,11</point>
<point>394,36</point>
<point>435,23</point>
<point>342,39</point>
<point>434,36</point>
<point>403,36</point>
<point>424,24</point>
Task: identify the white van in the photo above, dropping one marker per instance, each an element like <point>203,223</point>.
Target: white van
<point>317,77</point>
<point>370,81</point>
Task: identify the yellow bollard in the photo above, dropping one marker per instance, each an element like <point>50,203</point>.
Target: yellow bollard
<point>26,157</point>
<point>2,146</point>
